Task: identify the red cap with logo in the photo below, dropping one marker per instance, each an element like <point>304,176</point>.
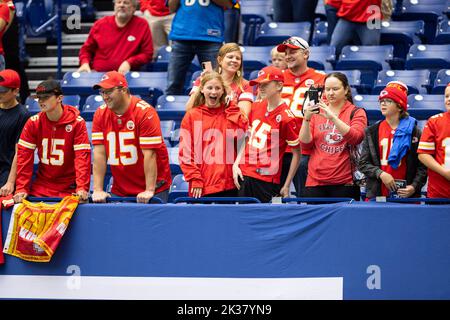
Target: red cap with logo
<point>293,43</point>
<point>268,74</point>
<point>397,91</point>
<point>9,79</point>
<point>110,80</point>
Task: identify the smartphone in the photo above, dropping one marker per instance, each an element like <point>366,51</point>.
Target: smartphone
<point>313,96</point>
<point>207,66</point>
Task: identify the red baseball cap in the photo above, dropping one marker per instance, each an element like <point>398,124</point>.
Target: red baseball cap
<point>267,74</point>
<point>110,80</point>
<point>293,43</point>
<point>9,79</point>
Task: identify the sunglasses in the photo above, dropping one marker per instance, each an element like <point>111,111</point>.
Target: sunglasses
<point>295,42</point>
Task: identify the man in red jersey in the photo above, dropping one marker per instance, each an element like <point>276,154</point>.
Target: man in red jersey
<point>257,170</point>
<point>121,42</point>
<point>126,134</point>
<point>434,151</point>
<point>60,136</point>
<point>298,78</point>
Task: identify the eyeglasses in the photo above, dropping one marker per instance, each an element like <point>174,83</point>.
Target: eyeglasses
<point>295,42</point>
<point>386,101</point>
<point>108,92</point>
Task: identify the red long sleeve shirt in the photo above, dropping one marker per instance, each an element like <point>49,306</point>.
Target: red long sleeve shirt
<point>107,45</point>
<point>4,14</point>
<point>360,10</point>
<point>64,155</point>
<point>157,8</point>
<point>329,163</point>
<point>207,150</point>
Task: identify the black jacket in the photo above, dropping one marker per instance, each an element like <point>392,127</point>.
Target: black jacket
<point>369,163</point>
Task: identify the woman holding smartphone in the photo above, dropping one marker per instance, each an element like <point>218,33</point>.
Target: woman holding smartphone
<point>327,132</point>
<point>230,67</point>
<point>389,157</point>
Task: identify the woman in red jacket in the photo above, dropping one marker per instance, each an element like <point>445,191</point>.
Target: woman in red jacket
<point>207,140</point>
<point>327,131</point>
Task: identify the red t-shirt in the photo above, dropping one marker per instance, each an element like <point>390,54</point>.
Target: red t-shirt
<point>435,140</point>
<point>237,93</point>
<point>270,134</point>
<point>360,10</point>
<point>156,8</point>
<point>385,139</point>
<point>64,155</point>
<point>207,148</point>
<point>330,157</point>
<point>4,14</point>
<point>107,45</point>
<point>124,137</point>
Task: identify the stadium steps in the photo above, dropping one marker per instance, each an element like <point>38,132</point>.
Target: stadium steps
<point>40,74</point>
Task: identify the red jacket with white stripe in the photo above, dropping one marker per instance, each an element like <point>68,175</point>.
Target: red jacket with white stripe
<point>64,155</point>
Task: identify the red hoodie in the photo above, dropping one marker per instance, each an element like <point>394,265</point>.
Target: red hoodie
<point>64,155</point>
<point>207,150</point>
<point>330,157</point>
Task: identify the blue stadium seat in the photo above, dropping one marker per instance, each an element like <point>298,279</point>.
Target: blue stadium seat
<point>274,33</point>
<point>149,85</point>
<point>171,107</point>
<point>173,161</point>
<point>371,104</point>
<point>179,188</point>
<point>36,13</point>
<point>253,75</point>
<point>253,14</point>
<point>320,10</point>
<point>72,100</point>
<point>443,32</point>
<point>321,58</point>
<point>255,58</point>
<point>441,81</point>
<point>430,11</point>
<point>402,34</point>
<point>353,76</point>
<point>430,56</point>
<point>162,61</point>
<point>416,80</point>
<point>423,107</point>
<point>32,105</point>
<point>320,33</point>
<point>368,59</point>
<point>194,77</point>
<point>80,83</point>
<point>91,105</point>
<point>167,127</point>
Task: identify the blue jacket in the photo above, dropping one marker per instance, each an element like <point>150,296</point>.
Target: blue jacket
<point>402,141</point>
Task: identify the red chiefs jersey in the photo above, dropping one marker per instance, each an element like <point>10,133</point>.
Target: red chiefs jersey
<point>64,155</point>
<point>435,140</point>
<point>243,93</point>
<point>270,133</point>
<point>294,90</point>
<point>124,137</point>
<point>360,10</point>
<point>4,14</point>
<point>385,139</point>
<point>207,146</point>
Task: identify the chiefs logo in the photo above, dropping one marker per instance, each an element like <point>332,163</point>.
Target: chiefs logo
<point>309,82</point>
<point>333,138</point>
<point>104,77</point>
<point>69,128</point>
<point>130,125</point>
<point>383,93</point>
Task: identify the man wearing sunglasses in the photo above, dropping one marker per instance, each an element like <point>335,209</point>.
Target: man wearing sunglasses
<point>126,134</point>
<point>298,78</point>
<point>12,119</point>
<point>60,136</point>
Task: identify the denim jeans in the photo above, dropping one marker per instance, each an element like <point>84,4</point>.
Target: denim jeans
<point>332,20</point>
<point>294,11</point>
<point>232,22</point>
<point>2,62</point>
<point>183,52</point>
<point>346,32</point>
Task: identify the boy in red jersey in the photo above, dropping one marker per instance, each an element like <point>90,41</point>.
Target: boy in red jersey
<point>272,129</point>
<point>434,151</point>
<point>126,134</point>
<point>60,136</point>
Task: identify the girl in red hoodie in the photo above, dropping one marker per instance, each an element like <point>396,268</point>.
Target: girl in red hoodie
<point>327,131</point>
<point>207,140</point>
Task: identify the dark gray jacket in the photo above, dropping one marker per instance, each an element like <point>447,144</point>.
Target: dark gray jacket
<point>369,163</point>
